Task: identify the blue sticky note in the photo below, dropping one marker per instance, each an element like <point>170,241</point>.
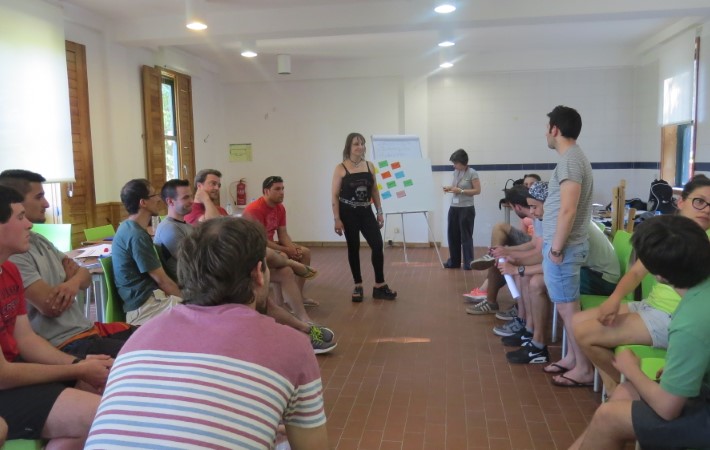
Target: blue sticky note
<point>399,175</point>
<point>386,195</point>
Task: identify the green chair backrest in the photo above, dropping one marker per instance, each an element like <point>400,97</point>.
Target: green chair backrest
<point>22,444</point>
<point>98,233</point>
<point>113,309</point>
<point>622,245</point>
<point>58,234</point>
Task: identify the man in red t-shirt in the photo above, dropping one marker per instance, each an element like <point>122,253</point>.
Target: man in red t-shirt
<point>206,205</point>
<point>270,212</point>
<point>37,399</point>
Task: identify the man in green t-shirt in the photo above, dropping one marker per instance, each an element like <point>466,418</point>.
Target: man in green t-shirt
<point>672,413</point>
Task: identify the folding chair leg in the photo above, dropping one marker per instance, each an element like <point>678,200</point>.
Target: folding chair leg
<point>554,323</point>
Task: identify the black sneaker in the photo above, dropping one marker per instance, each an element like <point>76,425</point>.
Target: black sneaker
<point>384,292</point>
<point>518,339</point>
<point>528,354</point>
<point>357,294</point>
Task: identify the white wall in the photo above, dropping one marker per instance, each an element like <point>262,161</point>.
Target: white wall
<point>297,126</point>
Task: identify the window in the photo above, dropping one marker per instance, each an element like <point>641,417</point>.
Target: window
<point>167,116</point>
<point>172,158</point>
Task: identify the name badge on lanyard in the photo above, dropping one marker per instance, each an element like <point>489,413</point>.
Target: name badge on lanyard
<point>455,200</point>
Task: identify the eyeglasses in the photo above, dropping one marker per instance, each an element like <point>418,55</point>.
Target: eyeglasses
<point>271,180</point>
<point>699,203</point>
<point>154,195</point>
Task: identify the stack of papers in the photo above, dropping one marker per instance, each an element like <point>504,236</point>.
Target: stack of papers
<point>95,251</point>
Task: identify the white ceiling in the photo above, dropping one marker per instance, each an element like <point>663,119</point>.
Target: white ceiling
<point>335,30</point>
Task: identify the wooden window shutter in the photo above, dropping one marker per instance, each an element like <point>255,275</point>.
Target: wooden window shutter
<point>186,138</point>
<point>153,133</point>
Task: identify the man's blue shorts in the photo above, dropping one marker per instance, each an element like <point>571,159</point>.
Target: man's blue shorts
<point>563,280</point>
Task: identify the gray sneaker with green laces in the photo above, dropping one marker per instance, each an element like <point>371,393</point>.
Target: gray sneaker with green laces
<point>321,339</point>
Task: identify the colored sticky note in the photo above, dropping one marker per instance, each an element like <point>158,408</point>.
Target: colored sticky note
<point>379,187</point>
<point>408,183</point>
<point>386,195</point>
<point>401,194</point>
<point>399,175</point>
<point>391,184</point>
<point>383,163</point>
<point>396,165</point>
<point>386,175</point>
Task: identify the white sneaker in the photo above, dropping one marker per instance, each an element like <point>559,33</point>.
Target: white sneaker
<point>483,263</point>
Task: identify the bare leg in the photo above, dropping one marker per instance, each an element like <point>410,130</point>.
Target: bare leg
<point>3,431</point>
<point>495,283</point>
<point>70,419</point>
<point>611,427</point>
<point>597,341</point>
<point>539,306</point>
<point>284,317</point>
<point>524,304</point>
<point>292,294</point>
<point>581,369</point>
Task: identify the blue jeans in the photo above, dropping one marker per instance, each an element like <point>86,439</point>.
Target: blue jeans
<point>563,280</point>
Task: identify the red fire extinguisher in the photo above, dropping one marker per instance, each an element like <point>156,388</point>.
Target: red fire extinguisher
<point>242,193</point>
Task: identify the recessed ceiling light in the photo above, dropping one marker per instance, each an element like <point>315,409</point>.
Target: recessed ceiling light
<point>446,65</point>
<point>445,8</point>
<point>447,43</point>
<point>196,26</point>
<point>249,53</point>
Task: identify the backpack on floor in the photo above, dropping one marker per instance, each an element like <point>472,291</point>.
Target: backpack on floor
<point>660,197</point>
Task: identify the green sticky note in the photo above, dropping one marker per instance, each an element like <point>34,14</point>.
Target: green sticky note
<point>391,184</point>
<point>408,183</point>
<point>383,164</point>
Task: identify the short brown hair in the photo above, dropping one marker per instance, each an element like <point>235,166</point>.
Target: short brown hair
<point>202,175</point>
<point>216,260</point>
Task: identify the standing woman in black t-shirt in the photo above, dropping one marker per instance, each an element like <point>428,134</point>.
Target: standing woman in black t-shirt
<point>354,189</point>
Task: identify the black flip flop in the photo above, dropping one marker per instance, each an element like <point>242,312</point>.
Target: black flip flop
<point>559,370</point>
<point>572,383</point>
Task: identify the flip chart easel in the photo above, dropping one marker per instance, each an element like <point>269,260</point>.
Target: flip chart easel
<point>404,237</point>
<point>405,181</point>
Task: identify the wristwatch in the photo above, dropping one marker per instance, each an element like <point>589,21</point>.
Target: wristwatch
<point>556,253</point>
<point>521,271</point>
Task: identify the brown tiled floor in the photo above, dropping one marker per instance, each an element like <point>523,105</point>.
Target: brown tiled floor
<point>419,373</point>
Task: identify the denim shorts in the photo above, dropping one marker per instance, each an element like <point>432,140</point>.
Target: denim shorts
<point>563,280</point>
<point>656,321</point>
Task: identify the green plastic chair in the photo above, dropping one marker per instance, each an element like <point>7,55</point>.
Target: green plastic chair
<point>99,233</point>
<point>652,359</point>
<point>113,308</point>
<point>58,234</point>
<point>623,249</point>
<point>22,444</point>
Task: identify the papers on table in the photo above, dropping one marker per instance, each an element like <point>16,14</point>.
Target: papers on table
<point>95,251</point>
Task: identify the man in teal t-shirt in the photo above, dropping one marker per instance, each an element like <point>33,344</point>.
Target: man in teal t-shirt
<point>143,285</point>
<point>673,413</point>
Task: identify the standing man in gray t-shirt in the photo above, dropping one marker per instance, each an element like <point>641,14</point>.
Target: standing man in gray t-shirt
<point>565,236</point>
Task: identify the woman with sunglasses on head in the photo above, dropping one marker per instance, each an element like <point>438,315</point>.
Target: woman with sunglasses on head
<point>600,330</point>
<point>354,189</point>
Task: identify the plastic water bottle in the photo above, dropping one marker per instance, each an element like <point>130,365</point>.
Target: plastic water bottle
<point>511,283</point>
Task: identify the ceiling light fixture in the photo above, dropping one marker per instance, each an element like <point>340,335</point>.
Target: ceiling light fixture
<point>194,20</point>
<point>445,8</point>
<point>249,49</point>
<point>446,39</point>
<point>446,65</point>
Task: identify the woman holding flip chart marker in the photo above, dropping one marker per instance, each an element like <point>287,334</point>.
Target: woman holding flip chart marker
<point>354,189</point>
<point>462,213</point>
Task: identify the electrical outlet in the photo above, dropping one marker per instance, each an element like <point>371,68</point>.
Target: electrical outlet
<point>396,230</point>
